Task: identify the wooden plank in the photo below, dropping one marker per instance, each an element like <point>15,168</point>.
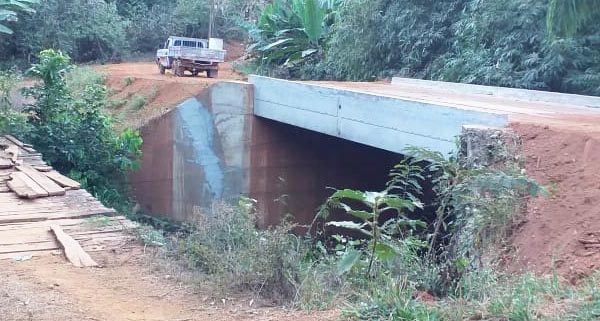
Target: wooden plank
<point>46,183</point>
<point>73,251</point>
<point>71,197</point>
<point>63,180</point>
<point>57,216</point>
<point>12,256</point>
<point>51,211</point>
<point>6,163</point>
<point>25,187</point>
<point>13,150</point>
<point>40,246</point>
<point>14,140</point>
<point>65,223</point>
<point>43,168</point>
<point>41,235</point>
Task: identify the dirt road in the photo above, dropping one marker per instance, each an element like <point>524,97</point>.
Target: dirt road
<point>132,286</point>
<point>141,93</point>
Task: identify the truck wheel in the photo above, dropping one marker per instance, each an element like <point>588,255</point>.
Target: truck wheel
<point>212,73</point>
<point>194,73</point>
<point>177,69</point>
<point>161,69</point>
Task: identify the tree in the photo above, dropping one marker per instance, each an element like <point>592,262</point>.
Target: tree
<point>567,17</point>
<point>9,10</point>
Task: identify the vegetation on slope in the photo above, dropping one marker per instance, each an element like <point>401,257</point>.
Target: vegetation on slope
<point>99,30</point>
<point>66,122</point>
<point>395,267</point>
<point>499,43</point>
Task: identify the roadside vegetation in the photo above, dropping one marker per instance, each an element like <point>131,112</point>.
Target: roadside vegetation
<point>385,262</point>
<point>64,118</point>
<point>397,255</point>
<point>99,30</point>
<point>533,44</point>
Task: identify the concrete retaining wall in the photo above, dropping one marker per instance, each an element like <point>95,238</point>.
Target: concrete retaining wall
<point>197,153</point>
<point>388,123</point>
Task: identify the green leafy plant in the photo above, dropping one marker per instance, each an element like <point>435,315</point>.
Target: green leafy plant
<point>9,10</point>
<point>567,17</point>
<point>289,32</point>
<point>367,208</point>
<point>72,131</point>
<point>475,210</point>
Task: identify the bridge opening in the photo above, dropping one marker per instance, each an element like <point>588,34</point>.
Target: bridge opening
<point>292,168</point>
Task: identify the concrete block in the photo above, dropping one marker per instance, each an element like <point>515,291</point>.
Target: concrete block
<point>482,146</point>
<point>504,92</point>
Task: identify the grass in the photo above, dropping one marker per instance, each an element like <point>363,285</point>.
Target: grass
<point>234,255</point>
<point>137,102</point>
<point>99,220</point>
<point>128,81</point>
<point>514,298</point>
<point>227,245</point>
<point>451,284</point>
<point>81,77</point>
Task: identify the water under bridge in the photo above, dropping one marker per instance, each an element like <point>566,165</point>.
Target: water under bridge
<point>284,142</point>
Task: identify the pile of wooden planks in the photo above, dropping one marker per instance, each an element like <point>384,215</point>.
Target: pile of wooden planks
<point>38,238</point>
<point>27,175</point>
<point>42,211</point>
<point>30,182</point>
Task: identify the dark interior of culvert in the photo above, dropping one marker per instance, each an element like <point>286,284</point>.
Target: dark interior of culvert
<point>293,171</point>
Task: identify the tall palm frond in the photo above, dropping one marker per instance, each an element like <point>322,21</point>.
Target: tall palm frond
<point>567,17</point>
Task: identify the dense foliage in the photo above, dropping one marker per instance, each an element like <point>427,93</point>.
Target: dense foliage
<point>500,43</point>
<point>90,30</point>
<point>9,10</point>
<point>67,124</point>
<point>290,33</point>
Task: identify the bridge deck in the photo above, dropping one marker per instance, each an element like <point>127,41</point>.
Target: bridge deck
<point>571,112</point>
<point>409,112</point>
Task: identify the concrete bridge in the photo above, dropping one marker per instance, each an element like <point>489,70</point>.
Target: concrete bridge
<point>284,142</point>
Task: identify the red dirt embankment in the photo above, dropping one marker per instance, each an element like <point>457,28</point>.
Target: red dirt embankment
<point>142,80</point>
<point>561,232</point>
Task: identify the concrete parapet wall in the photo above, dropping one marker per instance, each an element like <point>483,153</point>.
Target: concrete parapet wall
<point>379,121</point>
<point>503,92</point>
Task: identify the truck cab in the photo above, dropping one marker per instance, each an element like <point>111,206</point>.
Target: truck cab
<point>195,55</point>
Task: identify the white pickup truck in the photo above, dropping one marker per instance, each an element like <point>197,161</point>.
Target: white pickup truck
<point>191,54</point>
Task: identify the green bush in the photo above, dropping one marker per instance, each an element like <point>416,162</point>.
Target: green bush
<point>72,132</point>
<point>227,244</point>
<point>11,120</point>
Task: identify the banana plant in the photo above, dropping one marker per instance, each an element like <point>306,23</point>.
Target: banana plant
<point>9,10</point>
<point>290,31</point>
<point>366,209</point>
